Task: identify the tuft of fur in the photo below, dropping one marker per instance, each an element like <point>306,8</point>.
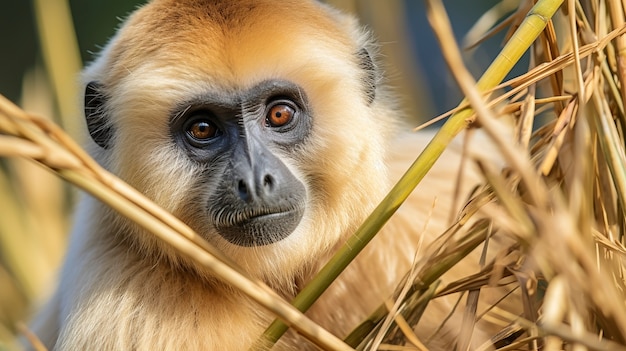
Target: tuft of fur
<point>121,289</point>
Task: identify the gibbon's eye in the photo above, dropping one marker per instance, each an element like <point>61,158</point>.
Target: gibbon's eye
<point>279,115</point>
<point>202,130</point>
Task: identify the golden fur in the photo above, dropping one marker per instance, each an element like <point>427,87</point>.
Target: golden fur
<point>121,289</point>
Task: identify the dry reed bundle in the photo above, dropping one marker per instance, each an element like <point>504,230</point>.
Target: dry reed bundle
<point>35,138</point>
<point>561,199</point>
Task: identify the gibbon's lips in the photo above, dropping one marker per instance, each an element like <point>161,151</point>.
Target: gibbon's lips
<point>258,227</point>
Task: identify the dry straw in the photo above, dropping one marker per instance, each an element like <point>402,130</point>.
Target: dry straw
<point>560,203</point>
<point>32,137</point>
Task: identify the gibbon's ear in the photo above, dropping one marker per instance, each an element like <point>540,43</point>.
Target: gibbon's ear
<point>370,79</point>
<point>97,124</point>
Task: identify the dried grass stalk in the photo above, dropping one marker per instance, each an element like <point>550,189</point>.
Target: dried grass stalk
<point>562,196</point>
<point>45,143</point>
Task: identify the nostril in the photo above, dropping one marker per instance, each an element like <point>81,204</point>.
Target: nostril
<point>268,183</point>
<point>244,192</point>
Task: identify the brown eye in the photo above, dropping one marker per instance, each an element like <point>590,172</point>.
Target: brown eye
<point>202,130</point>
<point>279,115</point>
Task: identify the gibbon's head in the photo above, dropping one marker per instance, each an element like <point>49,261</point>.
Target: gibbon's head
<point>257,122</point>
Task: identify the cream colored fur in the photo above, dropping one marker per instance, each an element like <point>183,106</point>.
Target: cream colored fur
<point>121,289</point>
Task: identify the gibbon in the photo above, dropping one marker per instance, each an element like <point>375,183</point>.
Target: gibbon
<point>266,126</point>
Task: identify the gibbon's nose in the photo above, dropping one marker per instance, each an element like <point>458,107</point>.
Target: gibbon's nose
<point>256,186</point>
<point>258,176</point>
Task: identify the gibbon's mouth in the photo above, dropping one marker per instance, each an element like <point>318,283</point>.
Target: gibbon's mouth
<point>258,227</point>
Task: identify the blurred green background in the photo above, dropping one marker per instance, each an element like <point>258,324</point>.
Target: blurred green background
<point>44,45</point>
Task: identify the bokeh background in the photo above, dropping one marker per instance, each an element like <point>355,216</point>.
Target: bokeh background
<point>44,43</point>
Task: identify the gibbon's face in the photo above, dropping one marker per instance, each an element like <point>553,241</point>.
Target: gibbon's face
<point>258,123</point>
<point>257,200</point>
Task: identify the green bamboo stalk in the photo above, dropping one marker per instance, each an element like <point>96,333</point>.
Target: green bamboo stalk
<point>521,40</point>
